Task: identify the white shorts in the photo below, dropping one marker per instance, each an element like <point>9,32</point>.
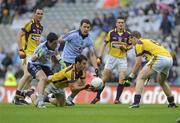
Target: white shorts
<point>114,62</point>
<point>161,64</point>
<point>54,90</point>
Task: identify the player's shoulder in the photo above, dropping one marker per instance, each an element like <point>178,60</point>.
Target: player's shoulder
<point>112,30</point>
<point>144,39</point>
<point>68,69</point>
<point>71,33</point>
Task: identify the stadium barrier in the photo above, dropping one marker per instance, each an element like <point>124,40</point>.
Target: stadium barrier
<point>151,95</point>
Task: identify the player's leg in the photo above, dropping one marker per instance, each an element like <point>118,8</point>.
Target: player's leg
<point>109,66</point>
<point>54,95</point>
<point>70,98</point>
<point>120,86</point>
<point>59,99</point>
<point>145,73</point>
<point>24,81</point>
<point>41,76</point>
<point>161,78</point>
<point>105,77</point>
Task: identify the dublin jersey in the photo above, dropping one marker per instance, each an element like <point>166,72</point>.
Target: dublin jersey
<point>31,39</point>
<point>149,48</point>
<point>44,55</point>
<point>74,44</point>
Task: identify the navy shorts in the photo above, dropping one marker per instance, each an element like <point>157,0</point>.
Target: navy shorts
<point>34,68</point>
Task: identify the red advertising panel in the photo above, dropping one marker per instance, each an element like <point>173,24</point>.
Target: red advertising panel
<point>151,95</point>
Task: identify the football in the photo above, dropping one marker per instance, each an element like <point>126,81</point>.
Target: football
<point>97,83</point>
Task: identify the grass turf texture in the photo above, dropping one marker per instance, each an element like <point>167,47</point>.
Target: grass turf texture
<point>86,113</point>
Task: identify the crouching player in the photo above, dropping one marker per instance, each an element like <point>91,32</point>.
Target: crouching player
<point>72,76</point>
<point>40,65</point>
<point>160,62</point>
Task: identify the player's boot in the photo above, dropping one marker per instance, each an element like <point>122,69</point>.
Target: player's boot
<point>69,103</point>
<point>40,105</point>
<point>19,100</point>
<point>127,83</point>
<point>117,102</point>
<point>95,100</point>
<point>172,105</point>
<point>134,106</point>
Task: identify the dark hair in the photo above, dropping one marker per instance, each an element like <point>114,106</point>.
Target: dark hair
<point>136,34</point>
<point>80,58</point>
<point>52,37</point>
<point>87,21</point>
<point>40,8</point>
<point>121,17</point>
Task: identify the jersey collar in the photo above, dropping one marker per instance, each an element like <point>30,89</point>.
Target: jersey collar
<point>83,36</point>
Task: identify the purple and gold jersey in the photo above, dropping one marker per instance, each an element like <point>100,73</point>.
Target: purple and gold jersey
<point>65,76</point>
<point>149,48</point>
<point>31,39</point>
<point>116,40</point>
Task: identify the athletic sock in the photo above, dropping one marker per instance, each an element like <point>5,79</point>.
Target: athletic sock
<point>170,99</point>
<point>99,92</point>
<point>40,99</point>
<point>137,98</point>
<point>120,89</point>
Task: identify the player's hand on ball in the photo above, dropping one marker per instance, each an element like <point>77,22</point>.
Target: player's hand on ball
<point>87,86</point>
<point>22,54</point>
<point>91,88</point>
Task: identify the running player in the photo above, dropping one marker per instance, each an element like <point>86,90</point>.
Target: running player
<point>39,66</point>
<point>75,42</point>
<point>28,40</point>
<point>160,62</point>
<point>117,39</point>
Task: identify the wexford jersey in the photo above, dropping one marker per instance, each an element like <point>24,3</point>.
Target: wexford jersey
<point>44,55</point>
<point>31,39</point>
<point>65,76</point>
<point>149,48</point>
<point>74,45</point>
<point>116,40</point>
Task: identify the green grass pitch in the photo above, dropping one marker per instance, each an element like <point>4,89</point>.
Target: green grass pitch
<point>86,113</point>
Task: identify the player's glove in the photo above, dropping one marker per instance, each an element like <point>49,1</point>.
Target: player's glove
<point>127,81</point>
<point>96,72</point>
<point>99,60</point>
<point>91,88</point>
<point>62,63</point>
<point>22,54</point>
<point>123,47</point>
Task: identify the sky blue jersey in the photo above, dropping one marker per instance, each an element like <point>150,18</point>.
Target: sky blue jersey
<point>74,45</point>
<point>44,55</point>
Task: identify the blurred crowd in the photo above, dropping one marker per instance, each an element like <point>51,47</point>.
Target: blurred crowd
<point>154,19</point>
<point>11,8</point>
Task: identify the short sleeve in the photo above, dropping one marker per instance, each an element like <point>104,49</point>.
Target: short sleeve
<point>108,37</point>
<point>27,27</point>
<point>139,49</point>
